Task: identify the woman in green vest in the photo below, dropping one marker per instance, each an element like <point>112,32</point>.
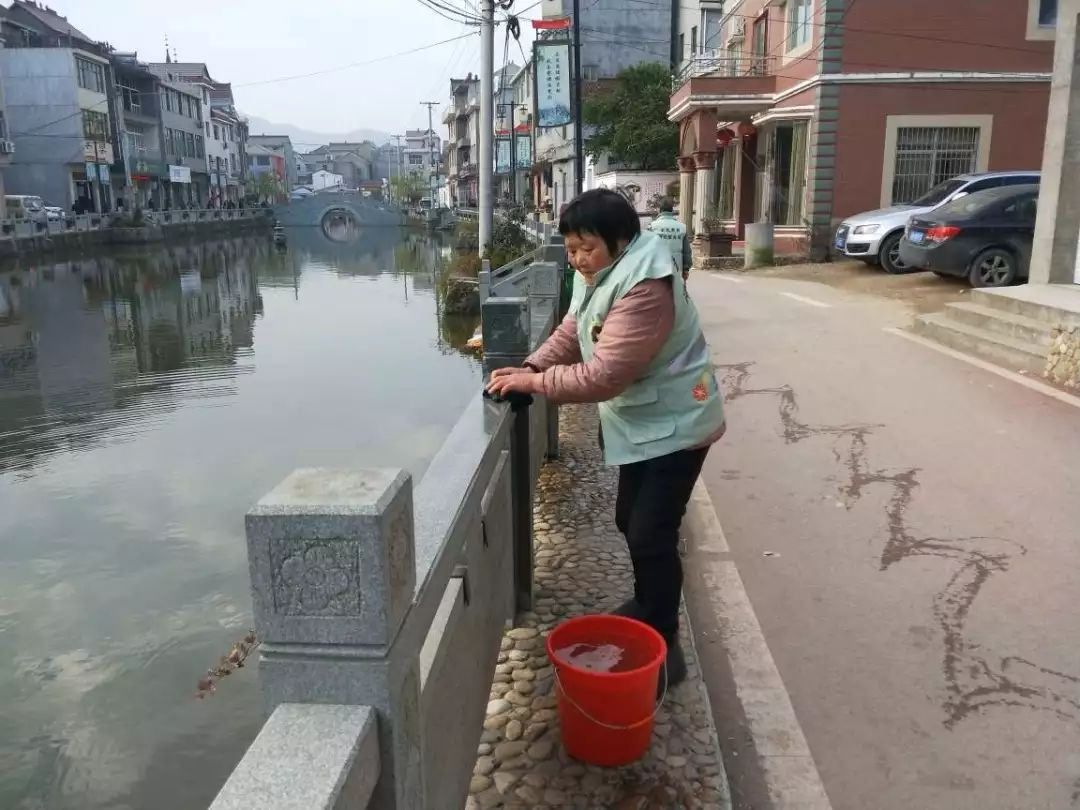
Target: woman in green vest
<point>632,343</point>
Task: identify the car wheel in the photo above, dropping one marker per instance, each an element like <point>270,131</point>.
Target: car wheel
<point>890,255</point>
<point>993,268</point>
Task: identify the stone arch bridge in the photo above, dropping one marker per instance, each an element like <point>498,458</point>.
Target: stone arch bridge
<point>317,210</point>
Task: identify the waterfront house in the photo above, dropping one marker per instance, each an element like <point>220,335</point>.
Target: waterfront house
<point>281,145</point>
<point>462,118</point>
<point>805,112</point>
<point>56,85</point>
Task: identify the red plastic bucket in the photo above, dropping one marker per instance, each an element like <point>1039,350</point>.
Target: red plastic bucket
<point>607,717</point>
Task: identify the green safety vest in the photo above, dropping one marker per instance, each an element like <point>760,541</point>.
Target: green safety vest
<point>672,232</point>
<point>676,404</point>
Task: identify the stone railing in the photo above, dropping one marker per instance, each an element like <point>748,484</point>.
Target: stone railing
<point>71,223</point>
<point>539,232</point>
<point>380,610</point>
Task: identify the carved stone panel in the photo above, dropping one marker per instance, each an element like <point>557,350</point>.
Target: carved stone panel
<point>316,577</point>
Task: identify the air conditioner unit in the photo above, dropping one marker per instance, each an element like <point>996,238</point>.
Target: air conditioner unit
<point>7,147</point>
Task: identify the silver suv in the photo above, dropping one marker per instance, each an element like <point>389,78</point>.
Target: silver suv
<point>874,236</point>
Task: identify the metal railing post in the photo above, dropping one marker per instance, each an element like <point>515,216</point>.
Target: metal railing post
<point>484,278</point>
<point>507,331</point>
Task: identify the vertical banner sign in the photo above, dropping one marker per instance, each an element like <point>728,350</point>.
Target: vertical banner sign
<point>502,156</point>
<point>552,84</point>
<point>523,157</point>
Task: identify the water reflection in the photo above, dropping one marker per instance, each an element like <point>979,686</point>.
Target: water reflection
<point>83,341</point>
<point>146,400</point>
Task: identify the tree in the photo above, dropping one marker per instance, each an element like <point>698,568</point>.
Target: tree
<point>409,188</point>
<point>267,186</point>
<point>629,119</point>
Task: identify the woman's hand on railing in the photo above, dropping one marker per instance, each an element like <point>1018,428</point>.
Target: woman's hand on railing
<point>509,380</point>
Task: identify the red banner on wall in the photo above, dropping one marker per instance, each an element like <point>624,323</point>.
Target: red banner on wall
<point>551,25</point>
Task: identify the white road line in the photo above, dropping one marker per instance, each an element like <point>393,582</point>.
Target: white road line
<point>702,520</point>
<point>790,774</point>
<point>804,300</point>
<point>723,277</point>
<point>1019,379</point>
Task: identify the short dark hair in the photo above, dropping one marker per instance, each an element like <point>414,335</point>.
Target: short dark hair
<point>603,213</point>
<point>667,206</point>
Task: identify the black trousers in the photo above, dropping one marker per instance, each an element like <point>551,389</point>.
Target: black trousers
<point>649,510</point>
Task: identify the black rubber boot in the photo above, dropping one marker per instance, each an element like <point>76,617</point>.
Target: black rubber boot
<point>631,609</point>
<point>675,669</point>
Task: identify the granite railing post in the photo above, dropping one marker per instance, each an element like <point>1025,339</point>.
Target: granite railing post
<point>332,561</point>
<point>555,250</point>
<point>507,327</point>
<point>544,289</point>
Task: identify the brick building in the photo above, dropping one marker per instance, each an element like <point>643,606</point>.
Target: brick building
<point>806,111</point>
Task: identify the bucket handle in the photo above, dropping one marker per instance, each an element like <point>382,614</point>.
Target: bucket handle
<point>601,723</point>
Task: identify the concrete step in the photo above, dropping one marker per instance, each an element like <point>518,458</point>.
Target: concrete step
<point>1053,304</point>
<point>995,347</point>
<point>1000,321</point>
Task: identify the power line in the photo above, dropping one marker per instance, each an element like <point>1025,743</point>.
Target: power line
<point>455,55</point>
<point>449,12</point>
<point>68,117</point>
<point>357,64</point>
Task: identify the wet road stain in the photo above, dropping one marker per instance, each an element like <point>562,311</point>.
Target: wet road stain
<point>976,679</point>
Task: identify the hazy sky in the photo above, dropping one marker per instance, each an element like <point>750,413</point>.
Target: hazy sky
<point>244,41</point>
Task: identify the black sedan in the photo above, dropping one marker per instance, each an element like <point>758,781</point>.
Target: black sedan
<point>984,237</point>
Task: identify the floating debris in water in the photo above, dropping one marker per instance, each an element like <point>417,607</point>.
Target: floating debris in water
<point>228,664</point>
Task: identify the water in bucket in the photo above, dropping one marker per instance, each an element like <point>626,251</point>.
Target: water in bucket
<point>593,657</point>
<point>616,653</point>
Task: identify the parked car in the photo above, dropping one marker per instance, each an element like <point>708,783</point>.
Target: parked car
<point>25,206</point>
<point>874,236</point>
<point>984,237</point>
<point>54,213</point>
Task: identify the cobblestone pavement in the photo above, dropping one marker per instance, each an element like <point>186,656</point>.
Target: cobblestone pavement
<point>582,567</point>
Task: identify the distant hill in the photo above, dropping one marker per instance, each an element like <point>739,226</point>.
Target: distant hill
<point>305,140</point>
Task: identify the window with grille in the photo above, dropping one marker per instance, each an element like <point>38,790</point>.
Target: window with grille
<point>798,23</point>
<point>725,168</point>
<point>91,75</point>
<point>734,57</point>
<point>95,126</point>
<point>925,156</point>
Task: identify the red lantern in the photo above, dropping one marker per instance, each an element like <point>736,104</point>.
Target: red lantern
<point>724,137</point>
<point>746,129</point>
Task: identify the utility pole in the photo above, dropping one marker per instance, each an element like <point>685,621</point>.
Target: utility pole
<point>513,148</point>
<point>397,160</point>
<point>431,149</point>
<point>487,123</point>
<point>579,150</point>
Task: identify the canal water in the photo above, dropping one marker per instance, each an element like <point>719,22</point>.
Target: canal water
<point>146,401</point>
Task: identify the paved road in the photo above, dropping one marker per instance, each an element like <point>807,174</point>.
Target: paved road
<point>921,598</point>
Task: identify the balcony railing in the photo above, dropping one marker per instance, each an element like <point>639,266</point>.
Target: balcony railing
<point>726,65</point>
